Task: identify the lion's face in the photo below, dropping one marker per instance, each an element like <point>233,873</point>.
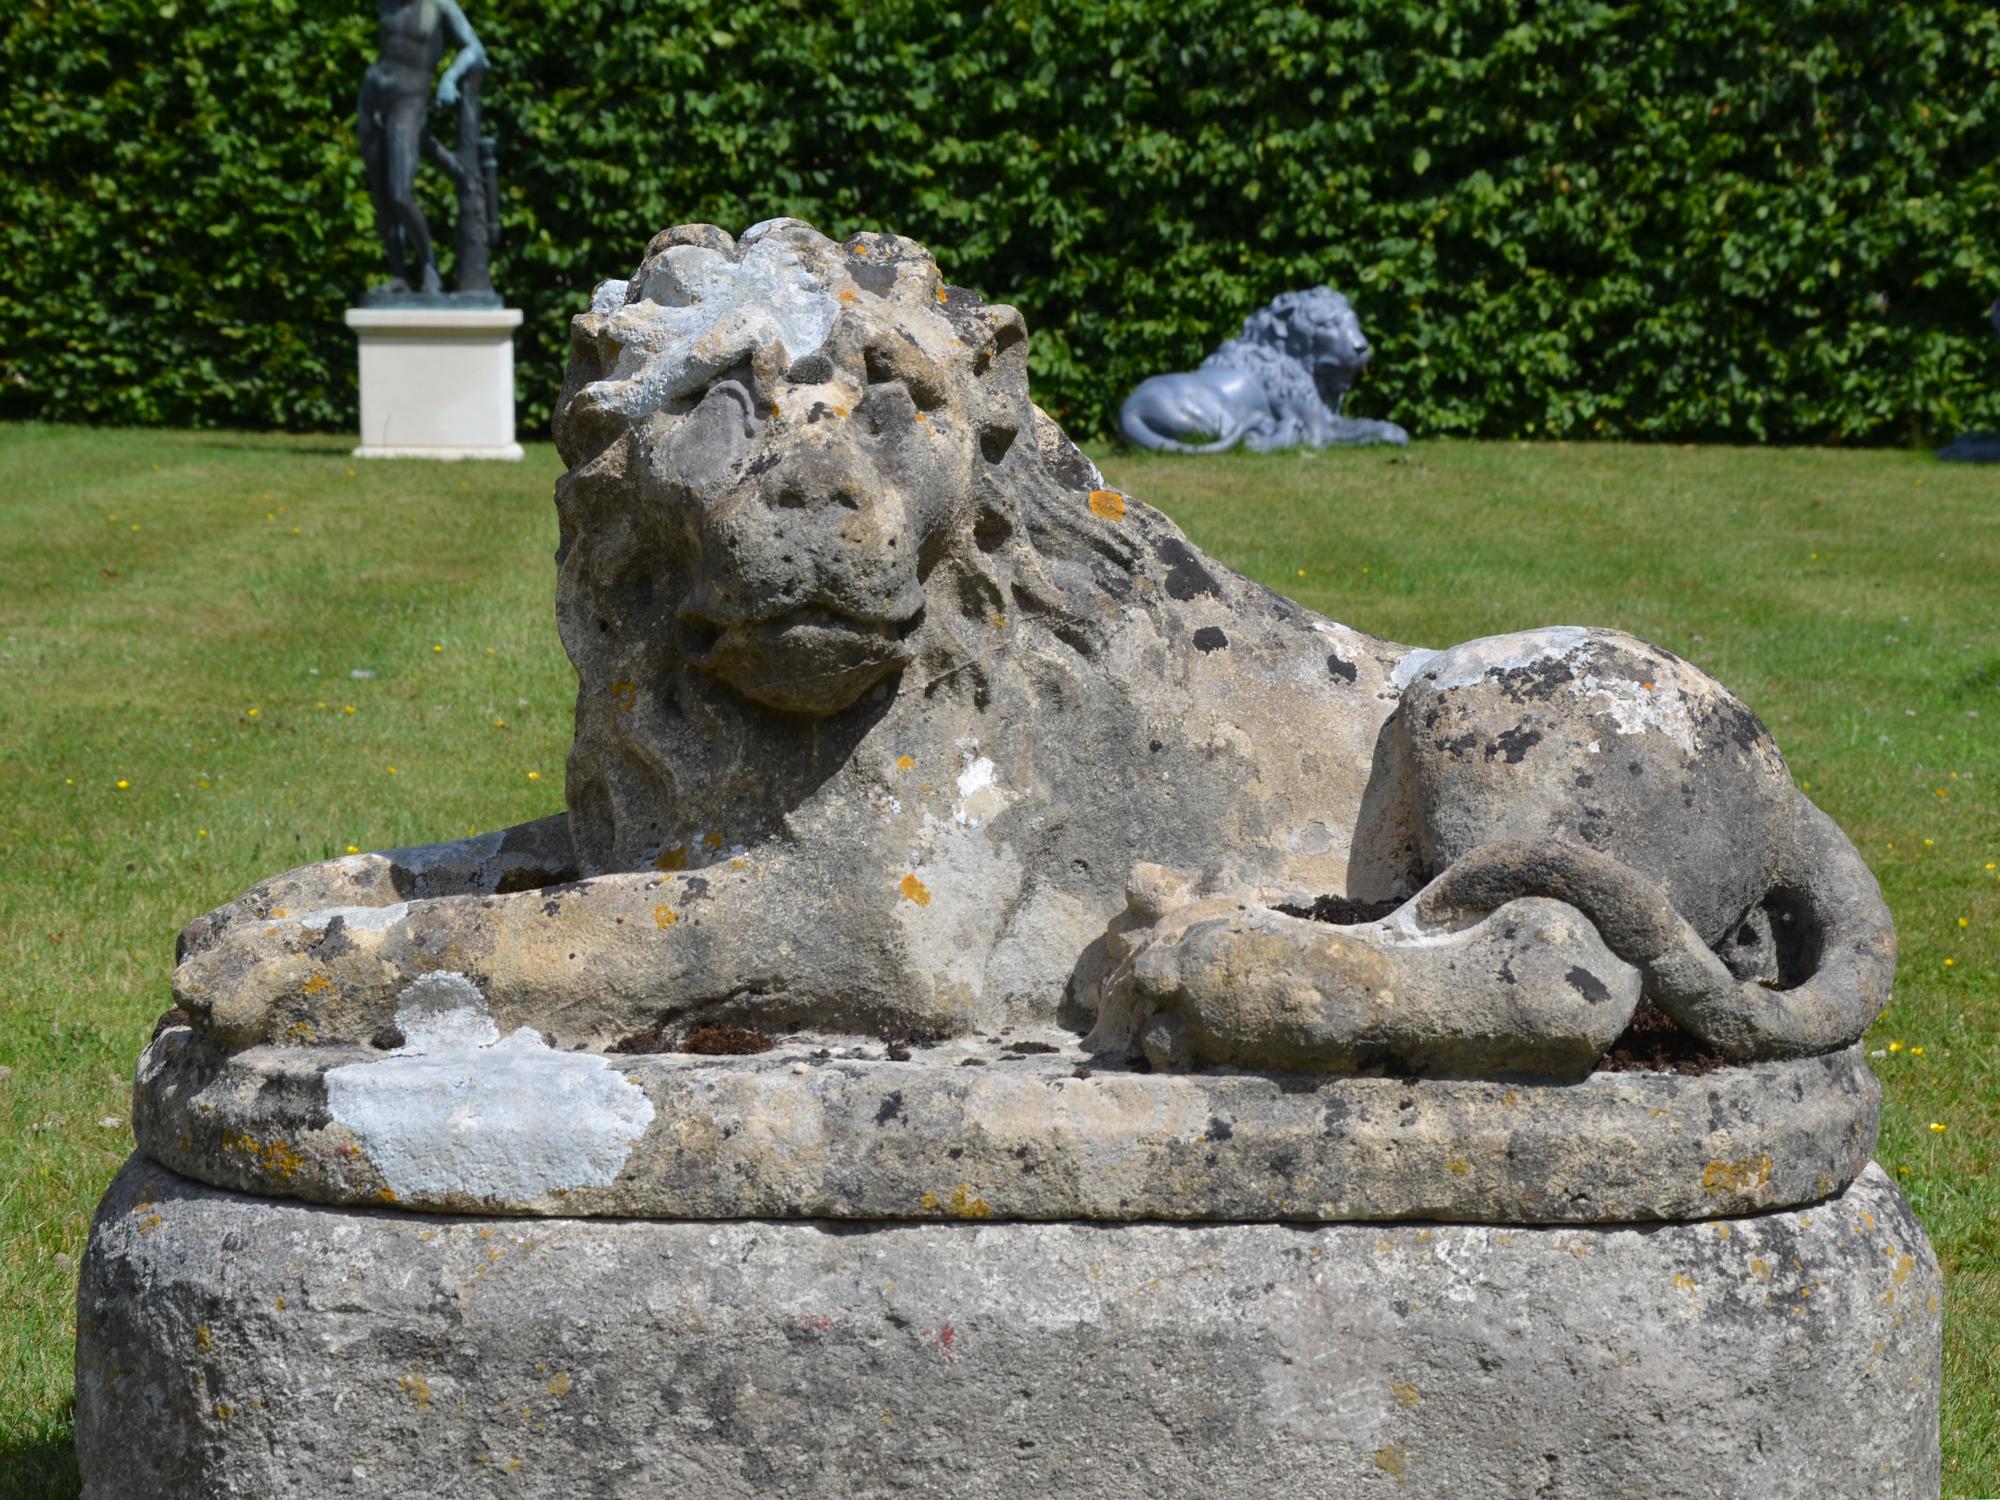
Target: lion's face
<point>804,423</point>
<point>1336,350</point>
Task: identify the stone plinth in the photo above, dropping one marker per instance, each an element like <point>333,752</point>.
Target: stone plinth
<point>238,1346</point>
<point>436,382</point>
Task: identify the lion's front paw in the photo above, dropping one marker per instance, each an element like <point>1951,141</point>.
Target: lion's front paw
<point>321,978</point>
<point>1529,991</point>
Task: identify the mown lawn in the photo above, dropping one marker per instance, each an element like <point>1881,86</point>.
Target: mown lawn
<point>224,655</point>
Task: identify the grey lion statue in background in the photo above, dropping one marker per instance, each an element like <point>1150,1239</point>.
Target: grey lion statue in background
<point>1279,384</point>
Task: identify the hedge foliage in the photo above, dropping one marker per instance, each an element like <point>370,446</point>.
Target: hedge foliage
<point>1713,219</point>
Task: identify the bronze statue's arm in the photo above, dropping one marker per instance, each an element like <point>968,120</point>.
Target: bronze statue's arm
<point>471,55</point>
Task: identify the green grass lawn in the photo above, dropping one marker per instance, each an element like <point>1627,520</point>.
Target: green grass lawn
<point>221,656</point>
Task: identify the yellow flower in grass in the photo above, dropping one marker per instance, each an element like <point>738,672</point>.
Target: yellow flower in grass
<point>1916,1052</point>
<point>347,708</point>
<point>1895,1046</point>
<point>124,785</point>
<point>534,776</point>
<point>353,848</point>
<point>1937,1128</point>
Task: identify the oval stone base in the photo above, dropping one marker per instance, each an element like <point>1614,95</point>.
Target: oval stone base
<point>230,1345</point>
<point>1029,1128</point>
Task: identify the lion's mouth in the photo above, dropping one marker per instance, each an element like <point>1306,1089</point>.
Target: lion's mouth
<point>811,660</point>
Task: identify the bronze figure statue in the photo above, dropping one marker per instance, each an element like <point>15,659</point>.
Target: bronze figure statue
<point>393,122</point>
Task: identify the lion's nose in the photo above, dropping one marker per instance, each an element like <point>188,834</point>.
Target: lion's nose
<point>817,480</point>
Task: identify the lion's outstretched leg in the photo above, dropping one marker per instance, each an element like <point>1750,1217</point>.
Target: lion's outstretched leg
<point>530,854</point>
<point>593,961</point>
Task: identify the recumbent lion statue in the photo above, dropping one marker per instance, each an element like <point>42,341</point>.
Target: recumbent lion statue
<point>894,720</point>
<point>1279,384</point>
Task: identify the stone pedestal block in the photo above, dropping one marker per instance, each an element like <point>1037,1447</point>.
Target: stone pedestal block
<point>436,382</point>
<point>239,1346</point>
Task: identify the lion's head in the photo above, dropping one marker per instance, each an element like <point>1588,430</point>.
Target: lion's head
<point>774,443</point>
<point>1315,329</point>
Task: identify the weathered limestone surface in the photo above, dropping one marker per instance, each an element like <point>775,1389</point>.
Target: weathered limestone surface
<point>1003,1130</point>
<point>234,1346</point>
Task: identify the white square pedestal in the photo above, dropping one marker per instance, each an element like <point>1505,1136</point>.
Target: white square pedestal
<point>436,382</point>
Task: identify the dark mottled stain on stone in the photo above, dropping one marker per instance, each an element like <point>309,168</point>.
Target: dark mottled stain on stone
<point>1186,577</point>
<point>1514,744</point>
<point>334,941</point>
<point>1335,667</point>
<point>1588,985</point>
<point>1210,638</point>
<point>297,1100</point>
<point>892,1109</point>
<point>877,276</point>
<point>1537,682</point>
<point>1218,1129</point>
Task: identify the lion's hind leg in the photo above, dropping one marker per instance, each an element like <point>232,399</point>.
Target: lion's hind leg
<point>1179,414</point>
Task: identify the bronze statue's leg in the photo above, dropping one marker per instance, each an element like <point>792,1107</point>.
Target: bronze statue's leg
<point>405,143</point>
<point>375,167</point>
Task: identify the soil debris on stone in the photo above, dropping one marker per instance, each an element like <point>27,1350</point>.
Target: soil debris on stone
<point>720,1039</point>
<point>1340,911</point>
<point>1655,1043</point>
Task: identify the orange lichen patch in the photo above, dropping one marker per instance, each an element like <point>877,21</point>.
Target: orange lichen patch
<point>1456,1167</point>
<point>999,622</point>
<point>1760,1268</point>
<point>1391,1460</point>
<point>672,859</point>
<point>302,1032</point>
<point>317,983</point>
<point>276,912</point>
<point>904,763</point>
<point>711,841</point>
<point>664,916</point>
<point>274,1156</point>
<point>943,295</point>
<point>915,890</point>
<point>417,1389</point>
<point>386,1194</point>
<point>1721,1178</point>
<point>1109,505</point>
<point>964,1203</point>
<point>203,1339</point>
<point>559,1384</point>
<point>1404,1392</point>
<point>847,296</point>
<point>1904,1265</point>
<point>624,695</point>
<point>1684,1281</point>
<point>151,1222</point>
<point>1722,1231</point>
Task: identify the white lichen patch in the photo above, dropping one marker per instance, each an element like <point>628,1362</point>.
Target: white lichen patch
<point>1636,707</point>
<point>459,1110</point>
<point>981,798</point>
<point>695,312</point>
<point>356,918</point>
<point>1474,661</point>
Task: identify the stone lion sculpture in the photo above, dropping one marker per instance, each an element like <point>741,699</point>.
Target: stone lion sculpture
<point>894,720</point>
<point>1278,384</point>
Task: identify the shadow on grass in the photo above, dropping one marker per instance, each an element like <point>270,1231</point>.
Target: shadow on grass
<point>336,447</point>
<point>39,1471</point>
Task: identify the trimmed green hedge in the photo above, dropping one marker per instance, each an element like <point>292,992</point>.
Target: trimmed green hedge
<point>1714,219</point>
